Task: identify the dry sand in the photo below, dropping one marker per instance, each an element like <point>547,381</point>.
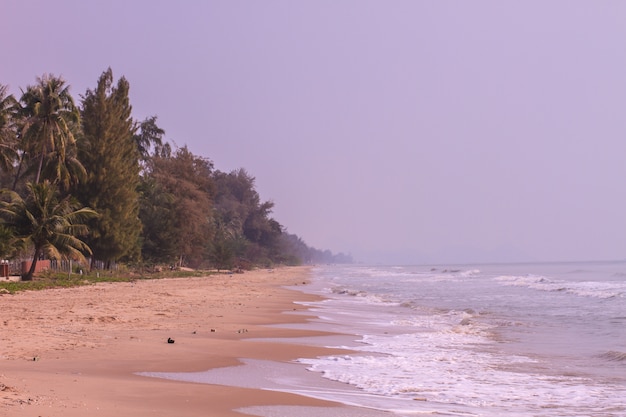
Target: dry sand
<point>75,352</point>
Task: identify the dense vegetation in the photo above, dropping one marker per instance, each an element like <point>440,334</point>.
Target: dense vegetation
<point>88,180</point>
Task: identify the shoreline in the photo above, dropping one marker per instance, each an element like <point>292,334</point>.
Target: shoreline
<point>68,352</point>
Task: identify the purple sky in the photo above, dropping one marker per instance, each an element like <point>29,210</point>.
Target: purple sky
<point>400,131</point>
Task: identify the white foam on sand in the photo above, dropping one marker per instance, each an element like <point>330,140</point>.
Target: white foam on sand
<point>286,377</point>
<point>302,411</point>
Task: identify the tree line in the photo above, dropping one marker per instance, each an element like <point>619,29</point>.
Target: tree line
<point>88,181</point>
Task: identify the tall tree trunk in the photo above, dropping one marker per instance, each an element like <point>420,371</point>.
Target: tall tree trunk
<point>33,265</point>
<point>39,169</point>
<point>19,170</point>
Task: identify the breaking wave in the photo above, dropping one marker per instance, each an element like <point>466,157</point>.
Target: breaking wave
<point>584,289</point>
<point>614,356</point>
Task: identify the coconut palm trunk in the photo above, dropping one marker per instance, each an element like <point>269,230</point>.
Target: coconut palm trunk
<point>33,266</point>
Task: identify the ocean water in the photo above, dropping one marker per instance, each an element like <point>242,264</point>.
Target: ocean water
<point>544,340</point>
<point>480,340</point>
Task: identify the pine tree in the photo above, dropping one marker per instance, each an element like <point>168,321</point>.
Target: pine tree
<point>109,154</point>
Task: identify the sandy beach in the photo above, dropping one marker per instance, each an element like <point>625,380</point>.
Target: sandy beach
<point>76,352</point>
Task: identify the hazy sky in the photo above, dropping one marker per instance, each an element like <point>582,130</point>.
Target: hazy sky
<point>401,131</point>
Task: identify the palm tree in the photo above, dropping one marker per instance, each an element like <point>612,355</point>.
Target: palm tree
<point>8,134</point>
<point>66,173</point>
<point>50,119</point>
<point>50,226</point>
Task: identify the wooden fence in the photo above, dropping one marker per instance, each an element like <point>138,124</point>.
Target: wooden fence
<point>18,267</point>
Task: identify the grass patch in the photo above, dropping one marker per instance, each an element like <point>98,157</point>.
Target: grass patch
<point>63,280</point>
